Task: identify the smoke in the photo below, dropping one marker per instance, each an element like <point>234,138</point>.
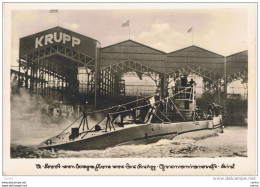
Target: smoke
<point>29,123</point>
<point>23,102</point>
<point>32,120</point>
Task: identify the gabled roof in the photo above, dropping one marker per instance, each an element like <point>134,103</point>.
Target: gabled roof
<point>135,43</point>
<point>196,47</point>
<point>237,53</point>
<point>59,28</point>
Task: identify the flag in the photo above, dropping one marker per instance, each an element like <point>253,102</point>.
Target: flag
<point>190,29</point>
<point>54,11</point>
<point>126,24</point>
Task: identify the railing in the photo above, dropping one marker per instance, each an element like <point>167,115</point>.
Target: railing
<point>186,94</point>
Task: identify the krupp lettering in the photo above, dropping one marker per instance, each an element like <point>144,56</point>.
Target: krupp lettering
<point>54,37</point>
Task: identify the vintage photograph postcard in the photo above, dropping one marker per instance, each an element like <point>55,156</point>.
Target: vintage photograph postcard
<point>129,89</point>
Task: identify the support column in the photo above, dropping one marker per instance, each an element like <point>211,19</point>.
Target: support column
<point>96,74</point>
<point>45,76</point>
<point>101,84</point>
<point>109,80</point>
<point>62,89</point>
<point>41,80</point>
<point>26,77</point>
<point>219,92</point>
<point>225,79</point>
<point>105,86</point>
<point>163,85</point>
<point>31,78</point>
<point>246,90</point>
<point>117,84</point>
<point>166,83</point>
<point>87,81</point>
<point>19,74</point>
<point>36,77</point>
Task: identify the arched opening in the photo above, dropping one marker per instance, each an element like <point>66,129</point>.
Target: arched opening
<point>86,81</point>
<point>237,89</point>
<point>138,85</point>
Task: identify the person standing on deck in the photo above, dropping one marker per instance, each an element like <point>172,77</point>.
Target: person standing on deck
<point>177,84</point>
<point>191,82</point>
<point>184,80</point>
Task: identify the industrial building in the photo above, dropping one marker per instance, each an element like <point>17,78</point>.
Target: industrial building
<point>61,64</point>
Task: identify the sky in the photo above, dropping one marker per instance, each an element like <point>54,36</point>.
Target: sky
<point>223,31</point>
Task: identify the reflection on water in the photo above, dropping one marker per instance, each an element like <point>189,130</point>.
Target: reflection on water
<point>26,134</point>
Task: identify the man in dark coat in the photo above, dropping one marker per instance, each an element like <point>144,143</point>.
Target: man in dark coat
<point>191,82</point>
<point>184,80</point>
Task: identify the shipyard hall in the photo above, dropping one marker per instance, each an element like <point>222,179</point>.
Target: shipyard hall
<point>61,65</point>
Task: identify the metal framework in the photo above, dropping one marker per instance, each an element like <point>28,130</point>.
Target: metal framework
<point>40,74</point>
<point>89,86</point>
<point>82,59</point>
<point>38,78</point>
<point>242,76</point>
<point>107,83</point>
<point>43,76</point>
<point>209,75</point>
<point>54,68</point>
<point>110,76</point>
<point>125,65</point>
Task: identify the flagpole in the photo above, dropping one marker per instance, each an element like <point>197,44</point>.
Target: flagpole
<point>191,30</point>
<point>127,24</point>
<point>129,31</point>
<point>58,18</point>
<point>192,35</point>
<point>58,15</point>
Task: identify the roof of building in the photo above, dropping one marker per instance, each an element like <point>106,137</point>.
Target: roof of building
<point>196,47</point>
<point>60,28</point>
<point>129,40</point>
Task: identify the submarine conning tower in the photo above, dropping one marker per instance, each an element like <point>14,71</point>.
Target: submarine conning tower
<point>186,101</point>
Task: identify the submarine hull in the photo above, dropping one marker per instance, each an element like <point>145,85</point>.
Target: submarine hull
<point>129,134</point>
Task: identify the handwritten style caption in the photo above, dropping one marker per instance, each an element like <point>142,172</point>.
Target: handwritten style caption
<point>161,167</point>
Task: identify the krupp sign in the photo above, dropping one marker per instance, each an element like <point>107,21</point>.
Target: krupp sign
<point>58,36</point>
<point>50,38</point>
